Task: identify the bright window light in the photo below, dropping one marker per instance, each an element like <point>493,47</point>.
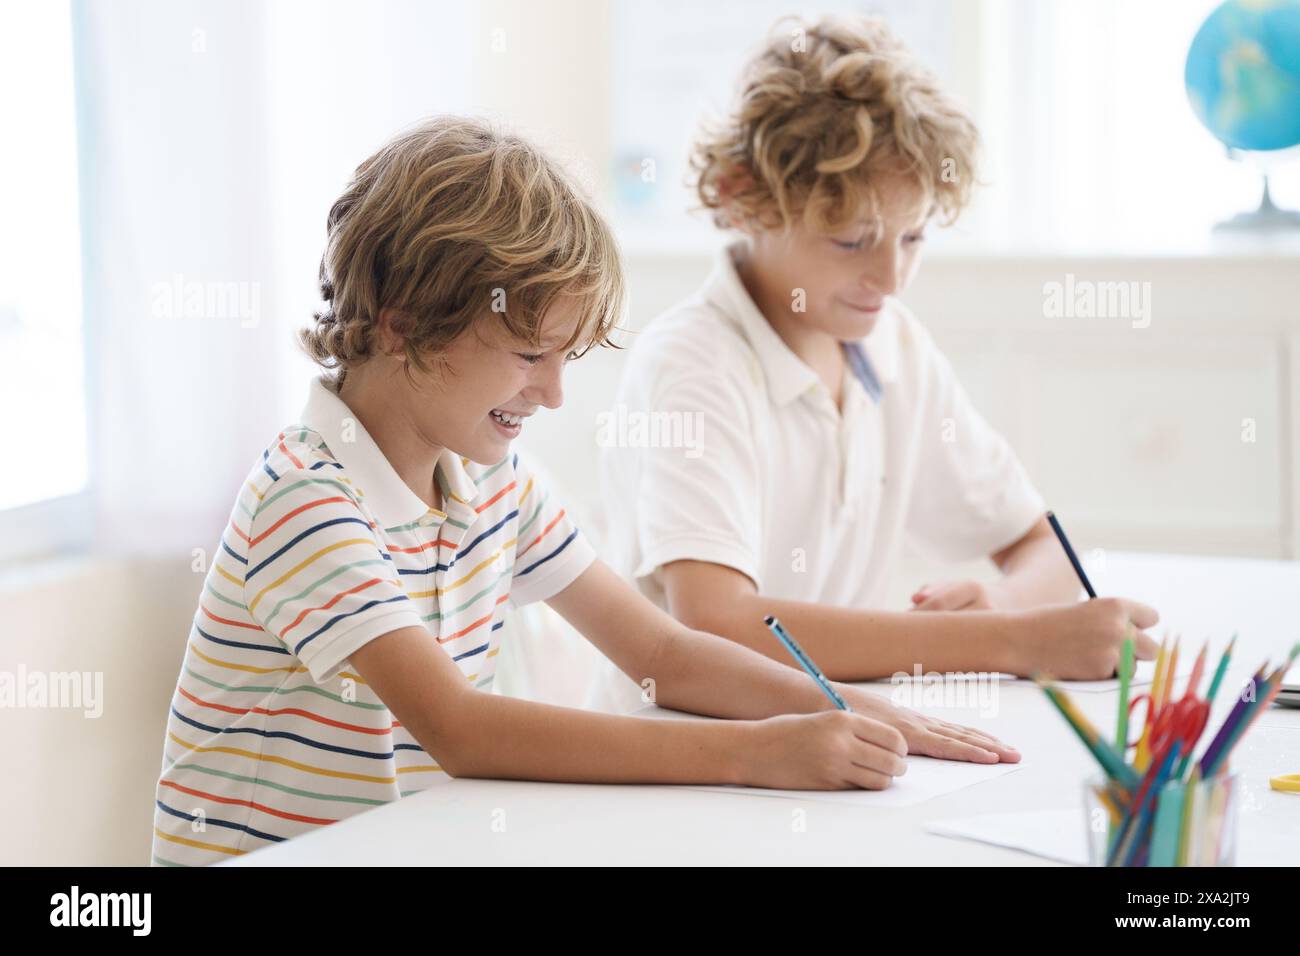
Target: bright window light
<point>42,388</point>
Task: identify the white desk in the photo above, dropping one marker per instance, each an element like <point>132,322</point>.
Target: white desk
<point>468,822</point>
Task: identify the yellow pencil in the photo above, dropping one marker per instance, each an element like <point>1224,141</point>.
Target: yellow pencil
<point>1158,679</point>
<point>1171,675</point>
<point>1142,756</point>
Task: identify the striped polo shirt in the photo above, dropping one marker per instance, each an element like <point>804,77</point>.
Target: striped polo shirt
<point>270,733</point>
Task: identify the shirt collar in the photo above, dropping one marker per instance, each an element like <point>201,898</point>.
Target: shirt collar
<point>787,376</point>
<point>863,371</point>
<point>873,359</point>
<point>387,496</point>
<point>880,346</point>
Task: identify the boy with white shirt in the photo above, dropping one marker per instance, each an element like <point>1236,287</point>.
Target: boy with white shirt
<point>829,427</point>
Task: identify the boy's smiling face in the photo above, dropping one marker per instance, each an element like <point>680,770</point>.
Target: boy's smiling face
<point>844,274</point>
<point>493,383</point>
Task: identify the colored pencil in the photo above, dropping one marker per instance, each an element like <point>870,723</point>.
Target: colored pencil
<point>806,662</point>
<point>1220,670</point>
<point>1209,759</point>
<point>1126,665</point>
<point>1111,762</point>
<point>1069,553</point>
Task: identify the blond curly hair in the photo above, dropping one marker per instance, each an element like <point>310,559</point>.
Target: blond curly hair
<point>451,223</point>
<point>824,110</point>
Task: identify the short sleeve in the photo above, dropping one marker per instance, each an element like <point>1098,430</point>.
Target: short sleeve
<point>318,576</point>
<point>697,498</point>
<point>972,496</point>
<point>550,551</point>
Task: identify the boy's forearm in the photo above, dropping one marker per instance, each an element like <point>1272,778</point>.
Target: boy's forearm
<point>500,737</point>
<point>854,645</point>
<point>707,674</point>
<point>1036,572</point>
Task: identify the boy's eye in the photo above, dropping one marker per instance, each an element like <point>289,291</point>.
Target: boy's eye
<point>533,359</point>
<point>855,245</point>
<point>915,237</point>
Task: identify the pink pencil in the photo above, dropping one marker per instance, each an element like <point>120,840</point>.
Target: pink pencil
<point>1198,669</point>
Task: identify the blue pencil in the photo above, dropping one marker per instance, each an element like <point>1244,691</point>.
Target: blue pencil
<point>805,662</point>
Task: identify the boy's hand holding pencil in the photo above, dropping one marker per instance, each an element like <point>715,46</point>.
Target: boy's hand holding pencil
<point>833,750</point>
<point>1071,641</point>
<point>1083,641</point>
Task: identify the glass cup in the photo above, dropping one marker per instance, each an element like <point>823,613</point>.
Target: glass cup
<point>1187,825</point>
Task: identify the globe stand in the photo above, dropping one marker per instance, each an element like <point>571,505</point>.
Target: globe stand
<point>1267,218</point>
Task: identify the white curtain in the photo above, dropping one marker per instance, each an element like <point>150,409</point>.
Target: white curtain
<point>213,138</point>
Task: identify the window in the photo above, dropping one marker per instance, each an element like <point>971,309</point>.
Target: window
<point>1090,143</point>
<point>677,62</point>
<point>42,384</point>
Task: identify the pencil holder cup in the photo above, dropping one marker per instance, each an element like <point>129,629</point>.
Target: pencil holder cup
<point>1187,824</point>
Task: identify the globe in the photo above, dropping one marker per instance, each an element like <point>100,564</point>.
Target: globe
<point>1243,74</point>
<point>1243,80</point>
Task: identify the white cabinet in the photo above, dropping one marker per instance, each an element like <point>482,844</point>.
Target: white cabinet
<point>1180,434</point>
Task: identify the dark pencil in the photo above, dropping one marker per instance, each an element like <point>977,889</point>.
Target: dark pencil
<point>1069,553</point>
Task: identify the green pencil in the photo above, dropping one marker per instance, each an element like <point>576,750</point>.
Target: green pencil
<point>1220,670</point>
<point>1125,675</point>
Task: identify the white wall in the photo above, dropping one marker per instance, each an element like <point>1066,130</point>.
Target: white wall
<point>79,791</point>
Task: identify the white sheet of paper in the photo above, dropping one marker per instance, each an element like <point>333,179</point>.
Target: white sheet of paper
<point>925,779</point>
<point>1143,674</point>
<point>1054,834</point>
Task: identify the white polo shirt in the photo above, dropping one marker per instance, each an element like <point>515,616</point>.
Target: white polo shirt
<point>735,453</point>
<point>270,733</point>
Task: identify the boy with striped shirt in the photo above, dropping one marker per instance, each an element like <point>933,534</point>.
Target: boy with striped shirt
<point>346,638</point>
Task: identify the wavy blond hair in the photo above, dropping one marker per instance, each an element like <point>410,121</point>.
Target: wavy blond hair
<point>452,223</point>
<point>824,109</point>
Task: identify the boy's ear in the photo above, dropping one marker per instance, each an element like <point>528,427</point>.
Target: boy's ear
<point>730,185</point>
<point>392,327</point>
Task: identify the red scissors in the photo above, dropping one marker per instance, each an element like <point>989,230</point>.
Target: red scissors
<point>1183,720</point>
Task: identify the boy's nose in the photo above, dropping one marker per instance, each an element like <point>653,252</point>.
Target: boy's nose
<point>882,274</point>
<point>548,389</point>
